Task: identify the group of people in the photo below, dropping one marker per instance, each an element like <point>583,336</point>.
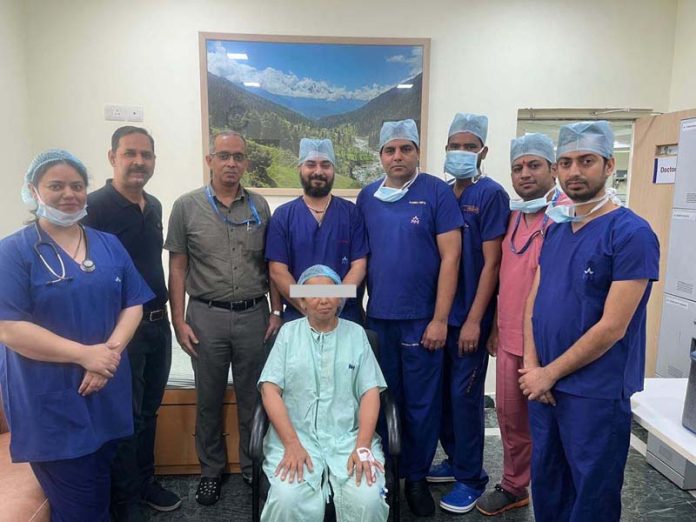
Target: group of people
<point>554,283</point>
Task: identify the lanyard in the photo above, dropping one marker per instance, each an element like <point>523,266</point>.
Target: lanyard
<point>255,218</point>
<point>540,232</point>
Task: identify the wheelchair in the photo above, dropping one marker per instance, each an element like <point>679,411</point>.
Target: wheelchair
<point>388,409</point>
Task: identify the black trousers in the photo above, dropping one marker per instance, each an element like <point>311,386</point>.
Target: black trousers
<point>150,357</point>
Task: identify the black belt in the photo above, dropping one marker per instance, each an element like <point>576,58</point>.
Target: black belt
<point>155,315</point>
<point>236,306</point>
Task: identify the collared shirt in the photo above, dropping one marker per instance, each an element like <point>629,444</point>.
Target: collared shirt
<point>577,270</point>
<point>140,232</point>
<point>225,262</point>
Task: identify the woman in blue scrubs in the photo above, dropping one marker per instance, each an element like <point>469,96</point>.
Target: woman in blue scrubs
<point>70,300</point>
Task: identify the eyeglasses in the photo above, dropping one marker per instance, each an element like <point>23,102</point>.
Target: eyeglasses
<point>238,157</point>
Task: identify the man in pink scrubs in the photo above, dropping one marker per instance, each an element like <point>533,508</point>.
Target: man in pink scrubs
<point>534,179</point>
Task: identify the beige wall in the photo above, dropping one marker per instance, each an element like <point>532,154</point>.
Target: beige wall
<point>683,84</point>
<point>490,57</point>
<point>15,140</point>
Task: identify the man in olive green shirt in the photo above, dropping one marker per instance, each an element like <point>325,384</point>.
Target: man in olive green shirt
<point>216,246</point>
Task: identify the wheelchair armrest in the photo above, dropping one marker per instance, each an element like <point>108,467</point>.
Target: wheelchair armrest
<point>259,427</point>
<point>391,416</point>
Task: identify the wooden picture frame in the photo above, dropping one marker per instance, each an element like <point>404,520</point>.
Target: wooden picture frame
<point>277,89</point>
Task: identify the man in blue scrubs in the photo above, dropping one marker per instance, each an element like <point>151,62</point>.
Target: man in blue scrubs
<point>413,228</point>
<point>317,228</point>
<point>485,206</point>
<point>584,353</point>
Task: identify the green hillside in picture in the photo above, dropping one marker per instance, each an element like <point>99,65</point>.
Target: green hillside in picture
<point>273,132</point>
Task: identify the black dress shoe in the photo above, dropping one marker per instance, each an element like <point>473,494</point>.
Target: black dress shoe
<point>419,499</point>
<point>208,492</point>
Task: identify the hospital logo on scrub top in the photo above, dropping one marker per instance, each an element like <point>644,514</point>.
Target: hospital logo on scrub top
<point>344,261</point>
<point>415,220</point>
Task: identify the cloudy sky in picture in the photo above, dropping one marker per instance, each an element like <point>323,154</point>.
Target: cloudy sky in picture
<point>347,75</point>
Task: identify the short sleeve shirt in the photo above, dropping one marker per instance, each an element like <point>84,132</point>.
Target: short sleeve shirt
<point>577,270</point>
<point>48,418</point>
<point>140,232</point>
<point>296,239</point>
<point>404,261</point>
<point>225,262</point>
<point>485,207</point>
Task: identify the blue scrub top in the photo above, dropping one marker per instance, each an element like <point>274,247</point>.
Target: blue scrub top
<point>404,261</point>
<point>577,270</point>
<point>48,419</point>
<point>296,239</point>
<point>485,207</point>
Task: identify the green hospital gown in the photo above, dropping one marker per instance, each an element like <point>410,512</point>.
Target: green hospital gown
<point>322,377</point>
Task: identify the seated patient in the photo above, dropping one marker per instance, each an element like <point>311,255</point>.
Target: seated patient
<point>320,388</point>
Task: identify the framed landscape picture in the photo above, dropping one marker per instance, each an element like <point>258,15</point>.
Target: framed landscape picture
<point>275,90</point>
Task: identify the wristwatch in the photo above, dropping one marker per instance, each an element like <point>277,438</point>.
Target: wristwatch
<point>277,313</point>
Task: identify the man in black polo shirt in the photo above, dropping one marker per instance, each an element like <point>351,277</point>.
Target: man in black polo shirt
<point>124,209</point>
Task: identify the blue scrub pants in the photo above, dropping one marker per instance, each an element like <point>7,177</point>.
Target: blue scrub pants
<point>78,489</point>
<point>579,451</point>
<point>414,376</point>
<point>463,426</point>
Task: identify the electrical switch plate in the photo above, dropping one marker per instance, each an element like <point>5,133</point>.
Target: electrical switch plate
<point>114,113</point>
<point>134,113</point>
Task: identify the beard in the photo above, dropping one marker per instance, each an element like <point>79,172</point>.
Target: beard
<point>316,191</point>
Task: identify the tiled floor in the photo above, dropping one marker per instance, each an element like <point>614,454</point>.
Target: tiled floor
<point>647,495</point>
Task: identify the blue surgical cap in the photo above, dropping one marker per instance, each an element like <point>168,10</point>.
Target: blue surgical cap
<point>317,150</point>
<point>398,130</point>
<point>590,136</point>
<point>322,271</point>
<point>534,144</point>
<point>319,271</point>
<point>476,124</point>
<point>44,159</point>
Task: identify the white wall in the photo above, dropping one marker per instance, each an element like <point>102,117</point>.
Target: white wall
<point>14,136</point>
<point>490,57</point>
<point>683,85</point>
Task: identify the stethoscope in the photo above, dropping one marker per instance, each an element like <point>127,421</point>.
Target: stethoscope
<point>541,232</point>
<point>255,218</point>
<point>87,265</point>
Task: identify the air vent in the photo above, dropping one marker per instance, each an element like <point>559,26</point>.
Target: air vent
<point>673,371</point>
<point>687,288</point>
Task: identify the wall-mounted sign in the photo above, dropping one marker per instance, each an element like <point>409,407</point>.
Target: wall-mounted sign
<point>665,169</point>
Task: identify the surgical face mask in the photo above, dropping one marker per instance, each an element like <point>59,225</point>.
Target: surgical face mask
<point>461,164</point>
<point>533,205</point>
<point>566,213</point>
<point>389,194</point>
<point>58,217</point>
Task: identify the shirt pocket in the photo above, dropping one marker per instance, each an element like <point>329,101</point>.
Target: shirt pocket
<point>594,276</point>
<point>414,219</point>
<point>64,419</point>
<point>254,237</point>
